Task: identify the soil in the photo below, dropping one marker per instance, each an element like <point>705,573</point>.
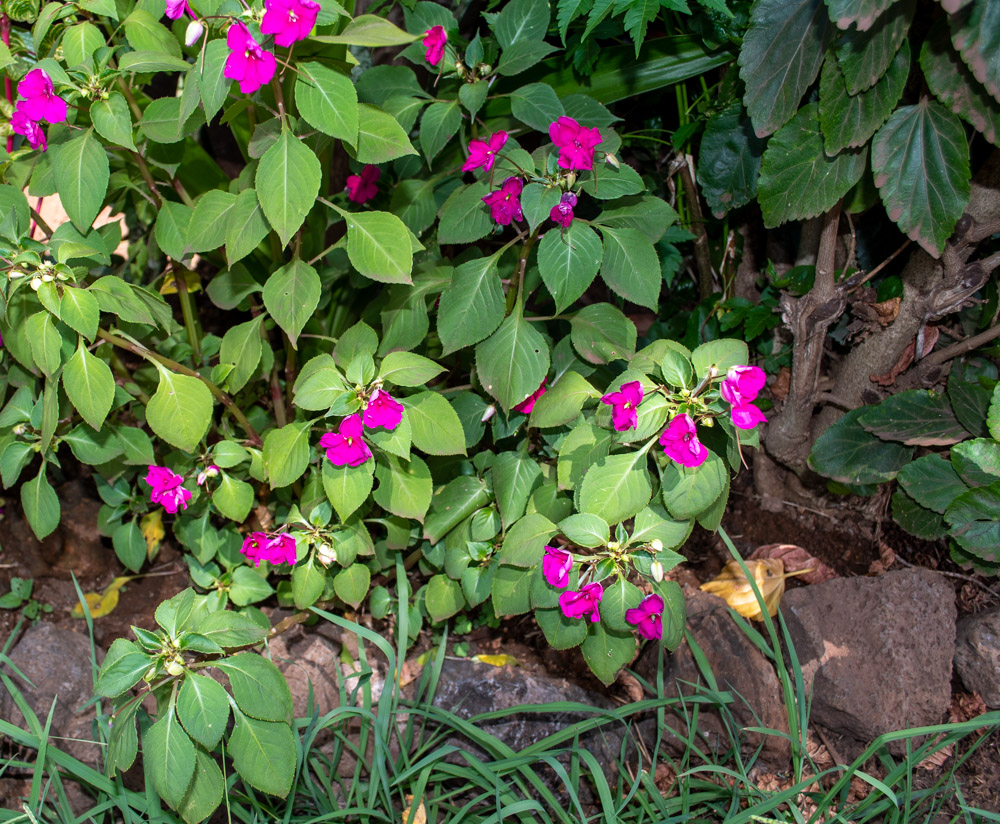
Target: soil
<point>850,535</point>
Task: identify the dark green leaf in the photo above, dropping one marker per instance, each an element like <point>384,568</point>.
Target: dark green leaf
<point>472,307</point>
<point>568,262</point>
<point>932,482</point>
<point>513,361</point>
<point>917,417</point>
<point>849,454</point>
<point>975,32</point>
<point>864,56</point>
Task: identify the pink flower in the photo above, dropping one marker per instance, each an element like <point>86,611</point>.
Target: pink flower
<point>22,124</point>
<point>528,403</point>
<point>40,101</point>
<point>176,9</point>
<point>584,602</point>
<point>562,212</point>
<point>346,447</point>
<point>254,547</point>
<point>647,617</point>
<point>484,152</point>
<point>680,442</point>
<point>275,549</point>
<point>167,490</point>
<point>434,40</point>
<point>382,410</point>
<point>289,20</point>
<point>575,143</point>
<point>556,566</point>
<point>623,405</point>
<point>361,188</point>
<point>210,471</point>
<point>742,384</point>
<point>746,416</point>
<point>247,62</point>
<point>505,203</point>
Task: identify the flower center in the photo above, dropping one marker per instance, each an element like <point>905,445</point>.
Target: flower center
<point>293,17</point>
<point>350,441</point>
<point>627,405</point>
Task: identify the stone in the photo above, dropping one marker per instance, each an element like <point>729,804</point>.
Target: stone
<point>313,662</point>
<point>977,655</point>
<point>875,653</point>
<point>57,662</point>
<point>739,667</point>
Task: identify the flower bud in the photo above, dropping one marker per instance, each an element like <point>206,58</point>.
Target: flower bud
<point>20,429</point>
<point>656,545</point>
<point>193,33</point>
<point>326,554</point>
<point>47,278</point>
<point>612,161</point>
<point>175,668</point>
<point>484,69</point>
<point>36,283</point>
<point>656,569</point>
<point>491,410</point>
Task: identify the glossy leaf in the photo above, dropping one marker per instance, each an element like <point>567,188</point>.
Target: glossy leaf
<point>601,334</point>
<point>864,56</point>
<point>81,171</point>
<point>90,386</point>
<point>287,182</point>
<point>513,361</point>
<point>568,262</point>
<point>849,454</point>
<point>916,417</point>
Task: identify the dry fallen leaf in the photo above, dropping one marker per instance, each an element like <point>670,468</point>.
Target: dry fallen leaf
<point>419,815</point>
<point>497,660</point>
<point>153,531</point>
<point>733,587</point>
<point>102,603</point>
<point>796,559</point>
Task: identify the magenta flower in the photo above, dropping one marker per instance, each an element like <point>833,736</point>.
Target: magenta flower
<point>361,188</point>
<point>209,471</point>
<point>575,143</point>
<point>680,442</point>
<point>176,9</point>
<point>562,213</point>
<point>528,403</point>
<point>346,447</point>
<point>289,20</point>
<point>582,603</point>
<point>624,403</point>
<point>556,566</point>
<point>505,203</point>
<point>746,416</point>
<point>275,549</point>
<point>434,40</point>
<point>167,489</point>
<point>382,410</point>
<point>24,125</point>
<point>742,384</point>
<point>647,617</point>
<point>484,152</point>
<point>40,101</point>
<point>254,547</point>
<point>247,62</point>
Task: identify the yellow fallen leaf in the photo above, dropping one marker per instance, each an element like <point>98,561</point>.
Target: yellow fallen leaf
<point>191,280</point>
<point>103,603</point>
<point>497,660</point>
<point>153,531</point>
<point>419,815</point>
<point>734,588</point>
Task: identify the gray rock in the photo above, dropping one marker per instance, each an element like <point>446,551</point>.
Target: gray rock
<point>977,655</point>
<point>875,652</point>
<point>57,663</point>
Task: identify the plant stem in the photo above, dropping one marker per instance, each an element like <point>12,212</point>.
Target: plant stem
<point>5,36</point>
<point>173,365</point>
<point>187,309</point>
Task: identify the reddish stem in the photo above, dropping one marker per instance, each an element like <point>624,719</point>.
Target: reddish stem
<point>5,36</point>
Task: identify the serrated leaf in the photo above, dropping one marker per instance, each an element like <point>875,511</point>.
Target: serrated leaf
<point>169,757</point>
<point>607,651</point>
<point>286,453</point>
<point>932,482</point>
<point>859,13</point>
<point>291,295</point>
<point>89,385</point>
<point>247,226</point>
<point>287,182</point>
<point>203,709</point>
<point>729,160</point>
<point>916,417</point>
<point>380,137</point>
<point>405,487</point>
<point>568,262</point>
<point>438,126</point>
<point>472,307</point>
<point>180,410</point>
<point>264,754</point>
<point>864,56</point>
<point>81,171</point>
<point>916,519</point>
<point>464,216</point>
<point>616,487</point>
<point>434,425</point>
<point>849,454</point>
<point>975,32</point>
<point>513,361</point>
<point>601,333</point>
<point>630,266</point>
<point>327,100</point>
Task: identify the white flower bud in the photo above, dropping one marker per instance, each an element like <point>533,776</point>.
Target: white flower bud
<point>193,33</point>
<point>491,410</point>
<point>656,545</point>
<point>656,569</point>
<point>47,278</point>
<point>326,554</point>
<point>175,668</point>
<point>36,283</point>
<point>612,161</point>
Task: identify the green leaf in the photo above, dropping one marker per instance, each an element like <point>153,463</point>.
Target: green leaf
<point>560,632</point>
<point>144,33</point>
<point>630,266</point>
<point>147,62</point>
<point>514,478</point>
<point>452,504</point>
<point>601,334</point>
<point>849,121</point>
<point>849,454</point>
<point>568,262</point>
<point>246,226</point>
<point>380,137</point>
<point>511,591</point>
<point>291,295</point>
<point>687,492</point>
<point>241,346</point>
<point>408,369</point>
<point>204,794</point>
<point>212,82</point>
<point>287,183</point>
<point>915,519</point>
<point>616,487</point>
<point>249,587</point>
<point>607,651</point>
<point>374,247</point>
<point>258,686</point>
<point>861,13</point>
<point>729,160</point>
<point>372,32</point>
<point>434,424</point>
<point>327,100</point>
<point>464,216</point>
<point>79,310</point>
<point>180,411</point>
<point>619,595</point>
<point>583,446</point>
<point>652,524</point>
<point>413,203</point>
<point>645,213</point>
<point>472,307</point>
<point>975,32</point>
<point>81,171</point>
<point>405,487</point>
<point>164,122</point>
<point>974,521</point>
<point>562,402</point>
<point>920,158</point>
<point>586,529</point>
<point>781,55</point>
<point>522,56</point>
<point>286,453</point>
<point>932,482</point>
<point>89,385</point>
<point>122,669</point>
<point>536,105</point>
<point>609,183</point>
<point>351,584</point>
<point>520,21</point>
<point>798,180</point>
<point>169,758</point>
<point>347,487</point>
<point>993,417</point>
<point>203,709</point>
<point>79,43</point>
<point>524,543</point>
<point>864,56</point>
<point>263,754</point>
<point>130,546</point>
<point>308,583</point>
<point>443,597</point>
<point>977,461</point>
<point>230,629</point>
<point>360,339</point>
<point>537,201</point>
<point>722,354</point>
<point>916,417</point>
<point>439,125</point>
<point>233,498</point>
<point>513,361</point>
<point>113,121</point>
<point>45,341</point>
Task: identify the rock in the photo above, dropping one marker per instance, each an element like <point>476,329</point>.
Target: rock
<point>738,666</point>
<point>57,662</point>
<point>875,652</point>
<point>312,661</point>
<point>977,655</point>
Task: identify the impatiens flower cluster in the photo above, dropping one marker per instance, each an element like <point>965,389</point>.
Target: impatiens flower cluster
<point>38,102</point>
<point>361,188</point>
<point>647,617</point>
<point>382,410</point>
<point>434,40</point>
<point>289,20</point>
<point>680,442</point>
<point>505,203</point>
<point>624,405</point>
<point>575,143</point>
<point>210,471</point>
<point>741,385</point>
<point>275,549</point>
<point>483,153</point>
<point>167,489</point>
<point>583,603</point>
<point>562,213</point>
<point>346,446</point>
<point>247,63</point>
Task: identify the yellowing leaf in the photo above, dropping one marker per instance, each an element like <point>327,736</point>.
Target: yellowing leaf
<point>419,814</point>
<point>103,603</point>
<point>152,530</point>
<point>734,588</point>
<point>497,660</point>
<point>191,280</point>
